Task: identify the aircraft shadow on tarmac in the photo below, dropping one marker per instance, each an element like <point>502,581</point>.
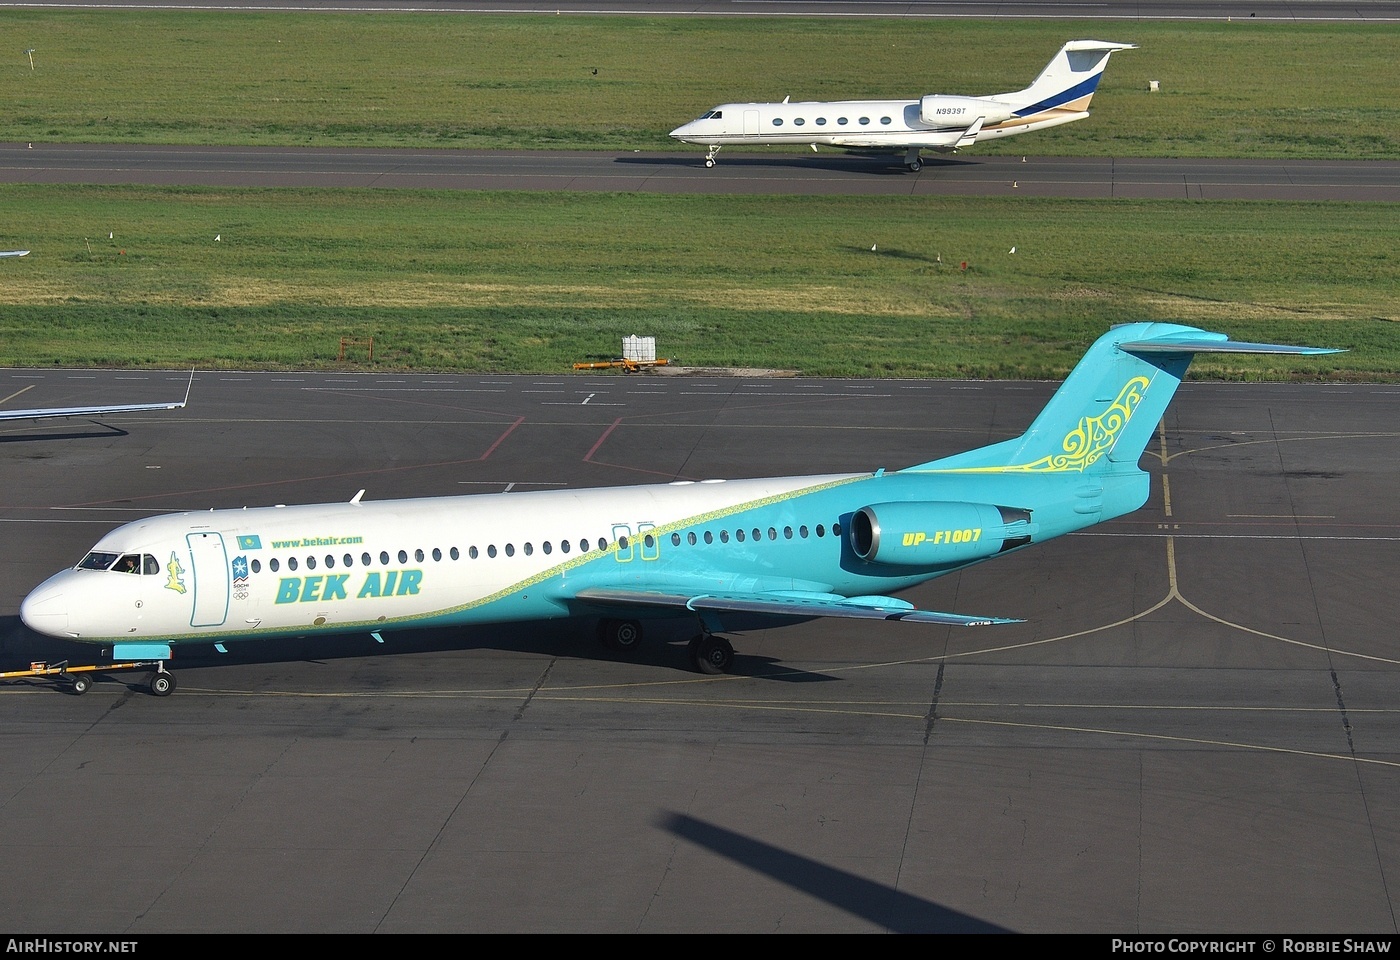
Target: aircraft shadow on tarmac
<point>891,165</point>
<point>84,433</point>
<point>665,648</point>
<point>892,909</point>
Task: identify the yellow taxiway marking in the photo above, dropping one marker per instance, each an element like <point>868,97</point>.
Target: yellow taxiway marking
<point>15,394</point>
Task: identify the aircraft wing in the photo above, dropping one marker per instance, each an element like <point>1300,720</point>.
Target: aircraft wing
<point>783,604</point>
<point>46,413</point>
<point>51,413</point>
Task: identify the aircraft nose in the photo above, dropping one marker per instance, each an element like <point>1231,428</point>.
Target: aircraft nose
<point>683,131</point>
<point>45,610</point>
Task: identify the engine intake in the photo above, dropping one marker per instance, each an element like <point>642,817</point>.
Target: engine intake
<point>935,533</point>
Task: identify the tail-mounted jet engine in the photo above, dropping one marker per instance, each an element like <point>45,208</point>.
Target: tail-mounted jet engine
<point>934,533</point>
<point>938,110</point>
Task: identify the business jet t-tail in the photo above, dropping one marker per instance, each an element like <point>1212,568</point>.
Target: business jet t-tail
<point>725,553</point>
<point>937,122</point>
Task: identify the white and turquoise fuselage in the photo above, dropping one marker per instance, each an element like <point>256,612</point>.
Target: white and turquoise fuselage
<point>782,548</point>
<point>269,571</point>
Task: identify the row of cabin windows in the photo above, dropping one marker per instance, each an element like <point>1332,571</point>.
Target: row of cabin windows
<point>757,534</point>
<point>840,121</point>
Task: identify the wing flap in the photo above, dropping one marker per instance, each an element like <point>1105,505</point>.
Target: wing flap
<point>780,604</point>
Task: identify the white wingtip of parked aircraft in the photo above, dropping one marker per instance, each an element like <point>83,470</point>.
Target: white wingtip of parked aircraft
<point>939,122</point>
<point>99,410</point>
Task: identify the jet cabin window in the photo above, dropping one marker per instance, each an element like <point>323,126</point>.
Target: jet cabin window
<point>98,561</point>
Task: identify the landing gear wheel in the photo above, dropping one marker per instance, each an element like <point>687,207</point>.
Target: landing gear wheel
<point>711,655</point>
<point>622,635</point>
<point>80,684</point>
<point>709,161</point>
<point>915,166</point>
<point>162,684</point>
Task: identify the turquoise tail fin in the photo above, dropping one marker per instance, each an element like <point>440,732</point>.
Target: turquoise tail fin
<point>1107,409</point>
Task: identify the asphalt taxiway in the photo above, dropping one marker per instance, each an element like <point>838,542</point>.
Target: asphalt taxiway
<point>684,172</point>
<point>1195,729</point>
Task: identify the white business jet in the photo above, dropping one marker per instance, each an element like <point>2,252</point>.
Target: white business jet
<point>937,122</point>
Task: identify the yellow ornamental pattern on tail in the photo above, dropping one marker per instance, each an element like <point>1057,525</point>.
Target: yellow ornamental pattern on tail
<point>1095,436</point>
<point>1086,443</point>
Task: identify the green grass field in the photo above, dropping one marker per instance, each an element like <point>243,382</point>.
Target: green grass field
<point>534,282</point>
<point>523,282</point>
<point>1227,89</point>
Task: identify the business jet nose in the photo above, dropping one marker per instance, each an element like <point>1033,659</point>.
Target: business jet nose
<point>681,132</point>
<point>45,610</point>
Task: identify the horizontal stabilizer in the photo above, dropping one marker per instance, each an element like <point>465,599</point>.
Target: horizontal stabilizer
<point>785,605</point>
<point>1202,342</point>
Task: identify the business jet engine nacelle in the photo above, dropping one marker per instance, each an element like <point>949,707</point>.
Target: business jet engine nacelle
<point>935,533</point>
<point>938,110</point>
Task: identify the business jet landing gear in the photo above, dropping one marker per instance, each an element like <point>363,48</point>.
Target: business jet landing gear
<point>711,655</point>
<point>913,161</point>
<point>624,636</point>
<point>710,157</point>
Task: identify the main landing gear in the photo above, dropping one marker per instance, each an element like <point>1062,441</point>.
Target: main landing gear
<point>913,161</point>
<point>710,157</point>
<point>708,653</point>
<point>711,655</point>
<point>621,635</point>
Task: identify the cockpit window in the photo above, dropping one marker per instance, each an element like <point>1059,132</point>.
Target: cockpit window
<point>131,563</point>
<point>149,565</point>
<point>98,561</point>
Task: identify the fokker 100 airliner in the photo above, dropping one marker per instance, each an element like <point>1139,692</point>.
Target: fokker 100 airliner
<point>759,552</point>
<point>937,122</point>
